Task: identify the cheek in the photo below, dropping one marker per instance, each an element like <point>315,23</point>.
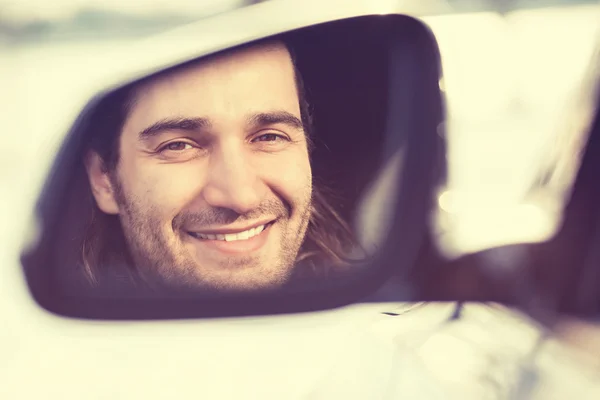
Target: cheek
<point>290,176</point>
<point>164,188</point>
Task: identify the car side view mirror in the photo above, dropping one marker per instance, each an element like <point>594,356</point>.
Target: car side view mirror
<point>295,171</point>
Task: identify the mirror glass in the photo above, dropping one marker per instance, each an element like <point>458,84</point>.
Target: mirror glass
<point>281,165</point>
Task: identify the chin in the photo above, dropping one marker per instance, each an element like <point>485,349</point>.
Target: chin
<point>222,281</point>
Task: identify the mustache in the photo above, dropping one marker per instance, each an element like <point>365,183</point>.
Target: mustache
<point>224,216</point>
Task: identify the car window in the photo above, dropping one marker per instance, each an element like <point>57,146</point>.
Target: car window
<point>512,93</point>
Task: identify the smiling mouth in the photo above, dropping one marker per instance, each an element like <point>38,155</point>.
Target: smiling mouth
<point>232,237</point>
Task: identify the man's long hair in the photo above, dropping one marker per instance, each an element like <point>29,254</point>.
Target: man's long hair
<point>329,240</point>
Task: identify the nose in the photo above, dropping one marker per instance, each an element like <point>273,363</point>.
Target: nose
<point>233,183</point>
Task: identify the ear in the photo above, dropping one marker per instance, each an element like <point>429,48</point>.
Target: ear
<point>100,183</point>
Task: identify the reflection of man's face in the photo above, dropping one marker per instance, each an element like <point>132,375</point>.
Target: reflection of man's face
<point>213,184</point>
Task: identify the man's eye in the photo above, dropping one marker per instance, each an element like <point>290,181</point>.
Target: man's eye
<point>176,146</point>
<point>269,137</point>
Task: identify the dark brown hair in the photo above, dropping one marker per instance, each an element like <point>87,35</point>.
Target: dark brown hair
<point>329,239</point>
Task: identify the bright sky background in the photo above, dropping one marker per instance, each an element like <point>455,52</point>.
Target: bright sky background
<point>23,10</point>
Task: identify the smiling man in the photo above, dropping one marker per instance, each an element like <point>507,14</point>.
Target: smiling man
<point>201,177</point>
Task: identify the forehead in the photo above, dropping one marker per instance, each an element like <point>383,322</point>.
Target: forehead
<point>246,80</point>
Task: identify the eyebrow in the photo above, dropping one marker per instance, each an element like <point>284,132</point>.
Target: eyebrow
<point>276,117</point>
<point>176,123</point>
<point>198,123</point>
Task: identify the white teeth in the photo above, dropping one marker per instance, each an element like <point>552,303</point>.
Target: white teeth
<point>230,237</point>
